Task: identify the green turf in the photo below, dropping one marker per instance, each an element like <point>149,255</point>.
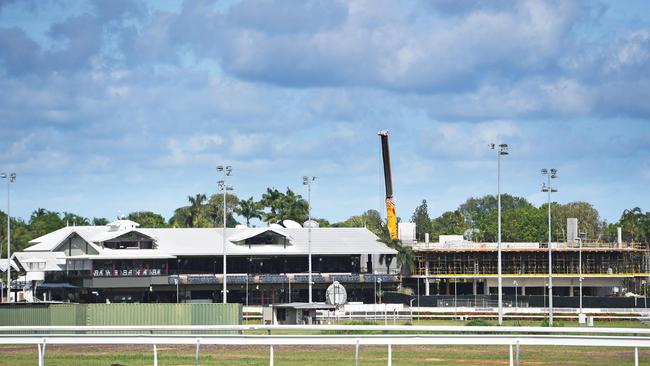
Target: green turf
<point>324,356</point>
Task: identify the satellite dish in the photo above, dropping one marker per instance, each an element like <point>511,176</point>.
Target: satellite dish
<point>311,223</point>
<point>276,226</point>
<point>336,294</point>
<point>290,224</point>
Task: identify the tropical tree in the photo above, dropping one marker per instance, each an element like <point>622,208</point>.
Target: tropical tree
<point>43,222</point>
<point>405,255</point>
<point>449,223</point>
<point>283,206</point>
<point>74,220</point>
<point>635,225</point>
<point>196,208</point>
<point>370,219</point>
<point>99,221</point>
<point>422,220</point>
<point>249,209</point>
<point>214,209</point>
<point>182,217</point>
<point>148,219</point>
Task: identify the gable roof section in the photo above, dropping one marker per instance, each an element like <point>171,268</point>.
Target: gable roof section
<point>243,234</point>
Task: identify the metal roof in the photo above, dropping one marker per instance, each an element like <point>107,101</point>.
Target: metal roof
<point>209,241</point>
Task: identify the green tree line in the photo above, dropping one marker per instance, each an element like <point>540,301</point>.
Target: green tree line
<point>522,221</point>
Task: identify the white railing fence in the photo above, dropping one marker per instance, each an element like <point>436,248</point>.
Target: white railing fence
<point>513,337</point>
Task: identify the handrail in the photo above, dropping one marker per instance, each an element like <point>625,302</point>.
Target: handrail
<point>338,327</point>
<point>514,341</point>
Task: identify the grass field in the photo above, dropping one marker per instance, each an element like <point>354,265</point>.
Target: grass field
<point>330,355</point>
<point>318,356</point>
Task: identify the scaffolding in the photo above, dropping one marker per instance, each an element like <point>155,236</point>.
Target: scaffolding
<point>481,262</point>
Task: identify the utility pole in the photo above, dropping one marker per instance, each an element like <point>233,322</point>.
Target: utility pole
<point>501,149</point>
<point>550,174</point>
<point>227,171</point>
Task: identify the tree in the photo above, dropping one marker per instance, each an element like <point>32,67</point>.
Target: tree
<point>370,219</point>
<point>449,223</point>
<point>422,220</point>
<point>589,221</point>
<point>480,214</point>
<point>196,208</point>
<point>214,210</point>
<point>635,225</point>
<point>100,221</point>
<point>249,209</point>
<point>405,255</point>
<point>283,206</point>
<point>71,219</point>
<point>147,219</point>
<point>43,222</point>
<point>182,217</point>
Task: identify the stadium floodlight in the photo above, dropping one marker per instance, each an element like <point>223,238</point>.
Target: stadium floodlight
<point>502,150</point>
<point>307,182</point>
<point>547,188</point>
<point>11,177</point>
<point>227,171</point>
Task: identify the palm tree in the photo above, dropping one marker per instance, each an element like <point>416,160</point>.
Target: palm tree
<point>405,255</point>
<point>249,209</point>
<point>196,205</point>
<point>182,217</point>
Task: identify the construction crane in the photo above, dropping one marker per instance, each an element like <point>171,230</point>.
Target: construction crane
<point>391,216</point>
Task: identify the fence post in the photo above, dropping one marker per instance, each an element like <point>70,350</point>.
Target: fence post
<point>511,362</point>
<point>636,356</point>
<point>198,343</point>
<point>356,353</point>
<point>155,356</point>
<point>42,360</point>
<point>271,356</point>
<point>517,353</point>
<point>390,355</point>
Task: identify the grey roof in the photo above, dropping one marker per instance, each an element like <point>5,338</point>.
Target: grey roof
<point>209,241</point>
<point>305,305</point>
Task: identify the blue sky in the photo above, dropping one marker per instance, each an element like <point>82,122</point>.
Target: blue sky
<point>108,107</point>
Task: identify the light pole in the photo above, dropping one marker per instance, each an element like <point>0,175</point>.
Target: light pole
<point>227,171</point>
<point>11,177</point>
<point>515,284</point>
<point>307,181</point>
<point>550,174</point>
<point>501,149</point>
<point>580,271</point>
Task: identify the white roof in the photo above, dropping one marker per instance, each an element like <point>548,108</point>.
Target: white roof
<point>3,265</point>
<point>53,260</point>
<point>208,241</point>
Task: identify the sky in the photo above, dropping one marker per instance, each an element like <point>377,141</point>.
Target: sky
<point>109,107</point>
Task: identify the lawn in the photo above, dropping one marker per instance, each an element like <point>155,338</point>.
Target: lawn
<point>318,356</point>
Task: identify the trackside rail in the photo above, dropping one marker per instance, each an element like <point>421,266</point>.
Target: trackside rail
<point>513,337</point>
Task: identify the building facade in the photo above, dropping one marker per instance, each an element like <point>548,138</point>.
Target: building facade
<point>121,262</point>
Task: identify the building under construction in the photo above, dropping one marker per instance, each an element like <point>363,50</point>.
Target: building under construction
<point>454,265</point>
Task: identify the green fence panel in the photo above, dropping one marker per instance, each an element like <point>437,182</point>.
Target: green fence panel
<point>120,314</point>
<point>216,314</point>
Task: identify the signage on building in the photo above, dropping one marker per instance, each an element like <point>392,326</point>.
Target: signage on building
<point>127,272</point>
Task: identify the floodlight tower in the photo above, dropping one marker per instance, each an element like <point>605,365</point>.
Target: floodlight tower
<point>227,171</point>
<point>501,149</point>
<point>307,181</point>
<point>11,177</point>
<point>546,187</point>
